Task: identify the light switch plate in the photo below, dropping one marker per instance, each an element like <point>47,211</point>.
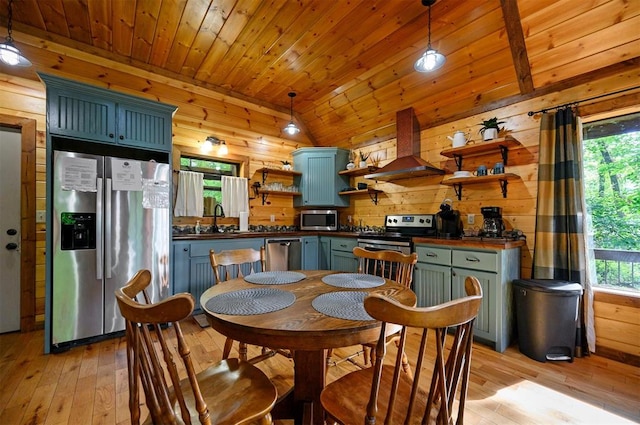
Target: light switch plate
<point>41,216</point>
<point>471,218</point>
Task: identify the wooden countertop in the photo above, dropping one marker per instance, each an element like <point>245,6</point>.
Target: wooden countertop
<point>471,243</point>
<point>236,235</point>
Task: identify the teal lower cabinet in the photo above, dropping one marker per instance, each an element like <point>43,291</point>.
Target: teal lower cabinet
<point>341,254</point>
<point>324,253</point>
<point>440,274</point>
<point>310,252</point>
<point>192,268</point>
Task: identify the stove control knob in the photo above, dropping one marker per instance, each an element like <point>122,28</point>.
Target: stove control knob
<point>422,220</point>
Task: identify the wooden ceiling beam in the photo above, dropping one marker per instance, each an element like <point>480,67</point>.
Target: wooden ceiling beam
<point>513,25</point>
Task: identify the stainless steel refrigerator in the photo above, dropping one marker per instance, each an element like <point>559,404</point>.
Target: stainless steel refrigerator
<point>111,218</point>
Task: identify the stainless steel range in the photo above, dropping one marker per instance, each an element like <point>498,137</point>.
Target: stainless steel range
<point>398,231</point>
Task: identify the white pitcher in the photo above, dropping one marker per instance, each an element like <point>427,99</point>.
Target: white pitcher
<point>459,139</point>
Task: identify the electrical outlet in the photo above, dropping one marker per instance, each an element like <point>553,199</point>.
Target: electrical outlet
<point>273,218</point>
<point>471,218</point>
<point>40,216</point>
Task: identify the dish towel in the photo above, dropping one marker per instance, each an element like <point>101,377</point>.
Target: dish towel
<point>235,195</point>
<point>190,196</point>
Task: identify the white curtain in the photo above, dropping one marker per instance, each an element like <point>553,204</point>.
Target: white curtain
<point>190,196</point>
<point>235,195</point>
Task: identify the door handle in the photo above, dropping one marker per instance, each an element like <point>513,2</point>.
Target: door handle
<point>12,246</point>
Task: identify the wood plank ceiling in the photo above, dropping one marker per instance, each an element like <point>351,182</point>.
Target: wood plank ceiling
<point>351,61</point>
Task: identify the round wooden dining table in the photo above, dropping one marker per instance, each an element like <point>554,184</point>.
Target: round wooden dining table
<point>302,329</point>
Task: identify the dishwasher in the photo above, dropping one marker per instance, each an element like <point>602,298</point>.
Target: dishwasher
<point>284,254</point>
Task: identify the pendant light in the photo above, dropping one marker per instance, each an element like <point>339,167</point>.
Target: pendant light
<point>431,59</point>
<point>9,54</point>
<point>291,128</point>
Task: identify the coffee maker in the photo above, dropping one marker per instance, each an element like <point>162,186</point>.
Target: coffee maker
<point>492,226</point>
<point>448,221</point>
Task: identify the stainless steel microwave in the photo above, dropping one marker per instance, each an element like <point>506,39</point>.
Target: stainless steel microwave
<point>326,220</point>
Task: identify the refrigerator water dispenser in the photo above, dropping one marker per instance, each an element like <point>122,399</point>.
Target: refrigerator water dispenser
<point>78,231</point>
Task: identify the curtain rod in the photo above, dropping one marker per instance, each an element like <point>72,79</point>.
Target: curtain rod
<point>532,113</point>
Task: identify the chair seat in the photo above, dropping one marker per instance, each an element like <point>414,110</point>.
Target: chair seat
<point>221,385</point>
<point>341,402</point>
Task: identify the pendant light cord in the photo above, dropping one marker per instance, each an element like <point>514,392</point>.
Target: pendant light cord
<point>10,21</point>
<point>429,43</point>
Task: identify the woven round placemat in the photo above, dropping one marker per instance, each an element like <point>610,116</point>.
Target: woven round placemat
<point>353,280</point>
<point>274,277</point>
<point>246,302</point>
<point>343,305</point>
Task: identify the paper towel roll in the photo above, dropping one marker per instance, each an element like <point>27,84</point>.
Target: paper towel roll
<point>244,221</point>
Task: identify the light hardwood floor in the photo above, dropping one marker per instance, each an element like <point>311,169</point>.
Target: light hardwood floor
<point>88,384</point>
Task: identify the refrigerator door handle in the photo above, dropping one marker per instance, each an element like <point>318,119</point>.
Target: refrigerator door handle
<point>99,232</point>
<point>107,229</point>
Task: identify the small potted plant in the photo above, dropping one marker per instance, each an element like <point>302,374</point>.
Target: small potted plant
<point>375,161</point>
<point>286,165</point>
<point>363,159</point>
<point>490,128</point>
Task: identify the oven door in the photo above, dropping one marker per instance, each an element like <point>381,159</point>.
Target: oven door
<point>381,245</point>
<point>374,267</point>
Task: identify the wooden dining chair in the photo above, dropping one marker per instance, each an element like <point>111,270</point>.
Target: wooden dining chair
<point>382,394</point>
<point>231,391</point>
<point>230,264</point>
<point>391,265</point>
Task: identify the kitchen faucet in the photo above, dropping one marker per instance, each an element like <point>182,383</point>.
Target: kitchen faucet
<point>215,217</point>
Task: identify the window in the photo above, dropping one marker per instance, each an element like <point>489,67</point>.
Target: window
<point>213,171</point>
<point>612,190</point>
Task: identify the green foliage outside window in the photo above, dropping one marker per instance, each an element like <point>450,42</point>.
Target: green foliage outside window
<point>612,192</point>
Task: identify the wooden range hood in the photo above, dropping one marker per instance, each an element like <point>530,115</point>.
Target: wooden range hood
<point>408,163</point>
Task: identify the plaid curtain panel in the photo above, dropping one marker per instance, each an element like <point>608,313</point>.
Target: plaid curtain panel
<point>560,251</point>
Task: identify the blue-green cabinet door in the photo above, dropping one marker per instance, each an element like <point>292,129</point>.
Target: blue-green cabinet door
<point>344,261</point>
<point>143,126</point>
<point>310,252</point>
<point>432,284</point>
<point>485,325</point>
<point>79,115</point>
<point>201,277</point>
<point>180,267</point>
<point>324,254</point>
<point>320,182</point>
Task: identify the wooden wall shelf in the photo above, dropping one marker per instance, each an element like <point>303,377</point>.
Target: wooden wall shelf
<point>358,171</point>
<point>265,194</point>
<point>373,193</point>
<point>276,171</point>
<point>482,148</point>
<point>503,179</point>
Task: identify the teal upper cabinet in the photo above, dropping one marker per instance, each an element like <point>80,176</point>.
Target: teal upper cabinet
<point>86,112</point>
<point>320,182</point>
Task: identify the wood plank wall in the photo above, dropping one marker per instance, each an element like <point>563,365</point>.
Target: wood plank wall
<point>26,98</point>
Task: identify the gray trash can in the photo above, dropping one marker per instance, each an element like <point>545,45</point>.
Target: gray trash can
<point>547,314</point>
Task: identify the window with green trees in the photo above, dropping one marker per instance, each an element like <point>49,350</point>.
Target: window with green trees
<point>213,171</point>
<point>612,190</point>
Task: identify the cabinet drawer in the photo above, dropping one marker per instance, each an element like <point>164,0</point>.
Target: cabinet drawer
<point>433,255</point>
<point>343,244</point>
<point>477,260</point>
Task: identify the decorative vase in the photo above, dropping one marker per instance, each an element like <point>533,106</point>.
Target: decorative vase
<point>363,164</point>
<point>351,166</point>
<point>490,134</point>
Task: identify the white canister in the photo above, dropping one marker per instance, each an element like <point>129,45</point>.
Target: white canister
<point>244,221</point>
